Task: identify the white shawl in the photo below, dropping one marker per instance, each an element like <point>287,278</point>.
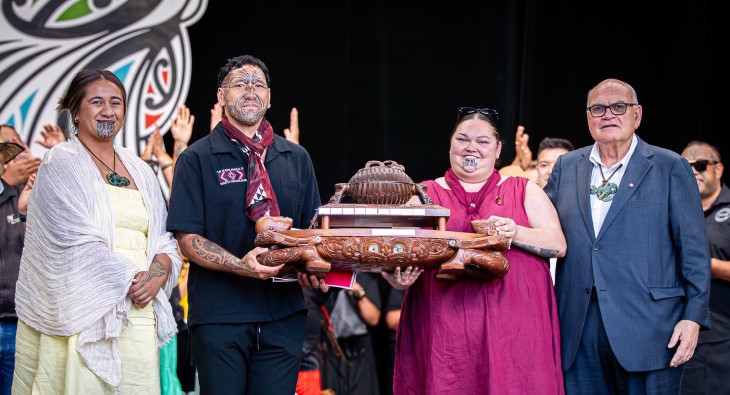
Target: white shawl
<point>71,279</point>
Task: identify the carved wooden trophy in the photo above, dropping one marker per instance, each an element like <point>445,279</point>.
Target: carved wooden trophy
<point>381,230</point>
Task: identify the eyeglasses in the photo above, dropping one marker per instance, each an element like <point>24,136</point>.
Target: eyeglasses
<point>701,164</point>
<point>597,110</point>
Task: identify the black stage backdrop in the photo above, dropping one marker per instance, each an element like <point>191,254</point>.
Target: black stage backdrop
<point>380,80</point>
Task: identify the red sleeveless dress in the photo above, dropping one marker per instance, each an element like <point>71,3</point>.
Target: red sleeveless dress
<point>498,336</point>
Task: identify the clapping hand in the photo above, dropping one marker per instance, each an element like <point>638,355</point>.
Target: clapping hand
<point>20,169</point>
<point>25,195</point>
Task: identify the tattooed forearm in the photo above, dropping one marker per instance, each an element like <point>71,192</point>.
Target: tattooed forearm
<point>157,269</point>
<point>215,254</point>
<point>543,252</point>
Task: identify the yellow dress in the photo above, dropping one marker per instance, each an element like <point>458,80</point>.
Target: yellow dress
<point>57,368</point>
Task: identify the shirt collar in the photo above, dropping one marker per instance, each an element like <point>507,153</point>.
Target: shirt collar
<point>595,157</point>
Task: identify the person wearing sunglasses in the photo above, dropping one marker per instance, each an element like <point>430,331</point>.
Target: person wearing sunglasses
<point>707,372</point>
<point>476,336</point>
<point>633,288</point>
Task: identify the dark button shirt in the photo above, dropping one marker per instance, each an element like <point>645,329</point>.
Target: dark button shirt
<point>717,223</point>
<point>12,235</point>
<point>207,198</point>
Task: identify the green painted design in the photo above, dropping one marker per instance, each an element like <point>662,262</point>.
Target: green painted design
<point>76,10</point>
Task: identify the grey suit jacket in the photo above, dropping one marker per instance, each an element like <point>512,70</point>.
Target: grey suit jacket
<point>650,262</point>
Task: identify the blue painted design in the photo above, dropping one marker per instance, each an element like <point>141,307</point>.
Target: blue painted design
<point>123,71</point>
<point>26,105</point>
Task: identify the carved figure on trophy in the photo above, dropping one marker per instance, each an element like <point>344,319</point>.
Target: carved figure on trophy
<point>380,231</point>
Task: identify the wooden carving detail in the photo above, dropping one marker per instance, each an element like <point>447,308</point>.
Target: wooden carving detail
<point>474,263</point>
<point>380,183</point>
<point>454,254</point>
<point>270,238</point>
<point>368,253</point>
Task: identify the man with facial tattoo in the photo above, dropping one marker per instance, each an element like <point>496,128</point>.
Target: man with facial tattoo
<point>247,331</point>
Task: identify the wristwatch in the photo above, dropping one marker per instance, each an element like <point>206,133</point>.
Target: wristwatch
<point>358,294</point>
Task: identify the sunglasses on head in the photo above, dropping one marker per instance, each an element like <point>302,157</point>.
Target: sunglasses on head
<point>701,164</point>
<point>487,112</point>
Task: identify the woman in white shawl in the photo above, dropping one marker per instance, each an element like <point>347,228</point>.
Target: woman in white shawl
<point>98,266</point>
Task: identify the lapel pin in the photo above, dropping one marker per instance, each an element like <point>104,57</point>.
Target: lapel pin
<point>631,185</point>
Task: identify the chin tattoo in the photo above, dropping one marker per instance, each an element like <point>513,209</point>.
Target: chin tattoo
<point>469,162</point>
<point>105,129</point>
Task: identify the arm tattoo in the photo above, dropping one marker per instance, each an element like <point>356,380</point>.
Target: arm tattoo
<point>543,252</point>
<point>216,255</point>
<point>157,269</point>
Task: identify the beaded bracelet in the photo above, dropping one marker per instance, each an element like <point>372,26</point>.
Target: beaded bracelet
<point>23,217</point>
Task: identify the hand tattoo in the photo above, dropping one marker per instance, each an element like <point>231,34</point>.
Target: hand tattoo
<point>157,269</point>
<point>543,252</point>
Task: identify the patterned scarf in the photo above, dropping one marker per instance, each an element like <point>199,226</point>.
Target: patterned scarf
<point>472,202</point>
<point>260,197</point>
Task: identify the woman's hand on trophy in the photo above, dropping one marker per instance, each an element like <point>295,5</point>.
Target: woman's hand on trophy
<point>402,279</point>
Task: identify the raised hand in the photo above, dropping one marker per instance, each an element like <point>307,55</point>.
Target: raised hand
<point>292,132</point>
<point>216,114</point>
<point>158,148</point>
<point>523,154</point>
<point>182,125</point>
<point>52,135</point>
<point>146,154</point>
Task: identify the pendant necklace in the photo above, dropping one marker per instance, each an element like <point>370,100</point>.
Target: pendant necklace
<point>113,178</point>
<point>607,190</point>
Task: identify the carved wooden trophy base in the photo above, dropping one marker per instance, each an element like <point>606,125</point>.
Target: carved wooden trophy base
<point>379,233</point>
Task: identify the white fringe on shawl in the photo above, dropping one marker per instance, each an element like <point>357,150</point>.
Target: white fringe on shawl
<point>71,279</point>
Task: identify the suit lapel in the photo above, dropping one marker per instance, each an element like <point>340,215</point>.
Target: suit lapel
<point>583,184</point>
<point>639,165</point>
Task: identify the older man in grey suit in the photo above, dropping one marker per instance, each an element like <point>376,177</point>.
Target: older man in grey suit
<point>633,288</point>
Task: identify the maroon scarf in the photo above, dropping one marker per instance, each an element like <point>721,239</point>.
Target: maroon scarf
<point>473,202</point>
<point>260,197</point>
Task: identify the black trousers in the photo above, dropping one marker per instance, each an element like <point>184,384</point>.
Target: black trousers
<point>249,358</point>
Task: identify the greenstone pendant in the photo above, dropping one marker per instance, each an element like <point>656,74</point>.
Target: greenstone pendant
<point>605,192</point>
<point>116,180</point>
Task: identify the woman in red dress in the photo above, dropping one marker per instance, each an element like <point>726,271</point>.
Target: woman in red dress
<point>474,336</point>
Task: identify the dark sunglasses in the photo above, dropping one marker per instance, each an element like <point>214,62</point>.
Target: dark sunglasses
<point>701,164</point>
<point>487,112</point>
